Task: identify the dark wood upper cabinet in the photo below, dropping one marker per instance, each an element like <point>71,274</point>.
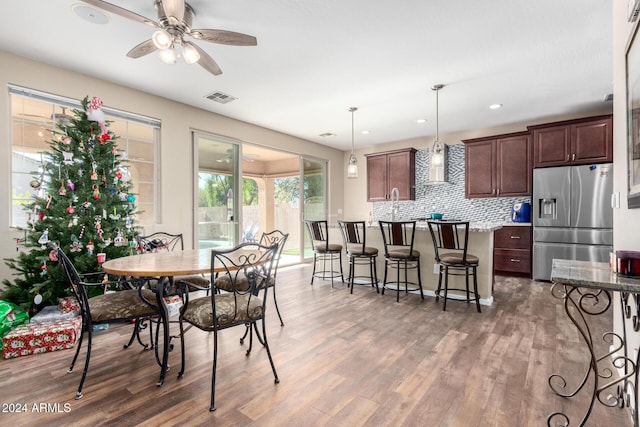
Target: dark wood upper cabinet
<point>498,166</point>
<point>573,142</point>
<point>388,170</point>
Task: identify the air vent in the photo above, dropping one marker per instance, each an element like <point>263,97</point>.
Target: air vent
<point>221,97</point>
<point>608,98</point>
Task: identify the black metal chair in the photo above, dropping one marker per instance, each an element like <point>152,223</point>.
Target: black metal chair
<point>450,243</point>
<point>123,304</point>
<point>248,268</point>
<point>324,251</point>
<point>399,254</point>
<point>268,239</point>
<point>355,243</point>
<point>161,241</point>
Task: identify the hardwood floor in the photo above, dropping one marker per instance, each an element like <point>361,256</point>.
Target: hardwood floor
<point>343,360</point>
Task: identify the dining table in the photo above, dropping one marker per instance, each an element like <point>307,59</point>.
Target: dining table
<point>163,265</point>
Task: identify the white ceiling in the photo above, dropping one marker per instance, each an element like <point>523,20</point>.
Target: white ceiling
<point>316,58</point>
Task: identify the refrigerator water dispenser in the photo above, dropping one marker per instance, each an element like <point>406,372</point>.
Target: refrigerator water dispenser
<point>547,208</point>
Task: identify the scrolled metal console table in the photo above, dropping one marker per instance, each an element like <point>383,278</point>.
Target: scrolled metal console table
<point>589,289</point>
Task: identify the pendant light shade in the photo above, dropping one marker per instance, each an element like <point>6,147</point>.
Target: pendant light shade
<point>352,168</point>
<point>439,150</point>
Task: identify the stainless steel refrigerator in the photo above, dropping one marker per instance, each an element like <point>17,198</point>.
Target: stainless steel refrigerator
<point>572,215</point>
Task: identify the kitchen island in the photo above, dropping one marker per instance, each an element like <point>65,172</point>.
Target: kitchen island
<point>589,289</point>
<point>480,244</point>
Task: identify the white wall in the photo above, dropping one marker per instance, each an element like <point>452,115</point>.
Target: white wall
<point>176,156</point>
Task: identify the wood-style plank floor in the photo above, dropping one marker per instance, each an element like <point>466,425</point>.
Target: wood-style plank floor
<point>342,359</point>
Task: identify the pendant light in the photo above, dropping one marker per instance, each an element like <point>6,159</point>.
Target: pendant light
<point>352,168</point>
<point>438,154</point>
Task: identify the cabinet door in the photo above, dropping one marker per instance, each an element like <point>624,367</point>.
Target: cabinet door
<point>377,178</point>
<point>401,174</point>
<point>551,146</point>
<point>480,169</point>
<point>513,166</point>
<point>592,142</point>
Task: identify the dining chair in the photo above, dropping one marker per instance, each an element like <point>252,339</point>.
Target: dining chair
<point>399,254</point>
<point>355,243</point>
<point>247,264</point>
<point>325,252</point>
<point>162,241</point>
<point>123,304</point>
<point>267,239</point>
<point>450,245</point>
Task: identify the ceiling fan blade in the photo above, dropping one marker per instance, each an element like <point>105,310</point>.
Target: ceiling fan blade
<point>224,37</point>
<point>207,61</point>
<point>174,8</point>
<point>144,48</point>
<point>117,10</point>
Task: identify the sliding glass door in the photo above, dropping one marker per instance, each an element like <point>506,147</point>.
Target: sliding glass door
<point>313,189</point>
<point>216,190</point>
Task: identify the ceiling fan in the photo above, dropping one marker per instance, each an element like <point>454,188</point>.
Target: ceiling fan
<point>246,157</point>
<point>175,18</point>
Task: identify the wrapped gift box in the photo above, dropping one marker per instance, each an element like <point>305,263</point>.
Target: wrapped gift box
<point>35,338</point>
<point>52,312</point>
<point>68,305</point>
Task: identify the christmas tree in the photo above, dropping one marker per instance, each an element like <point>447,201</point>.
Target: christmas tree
<point>83,203</point>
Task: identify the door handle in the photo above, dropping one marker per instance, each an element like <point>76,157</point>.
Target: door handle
<point>573,157</point>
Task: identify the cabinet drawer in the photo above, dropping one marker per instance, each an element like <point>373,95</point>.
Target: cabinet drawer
<point>512,260</point>
<point>513,238</point>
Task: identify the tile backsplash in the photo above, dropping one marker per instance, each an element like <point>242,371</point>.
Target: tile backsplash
<point>447,198</point>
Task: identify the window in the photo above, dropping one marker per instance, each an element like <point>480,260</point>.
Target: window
<point>33,117</point>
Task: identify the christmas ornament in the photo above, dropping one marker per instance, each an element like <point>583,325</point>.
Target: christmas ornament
<point>53,256</point>
<point>49,199</point>
<point>119,240</point>
<point>44,238</point>
<point>62,191</point>
<point>90,248</point>
<point>70,185</point>
<point>34,183</point>
<point>68,158</point>
<point>71,209</point>
<point>94,174</point>
<point>96,192</point>
<point>66,140</point>
<point>81,232</point>
<point>37,300</point>
<point>95,113</point>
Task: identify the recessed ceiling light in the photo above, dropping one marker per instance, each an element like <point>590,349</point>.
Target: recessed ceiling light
<point>327,135</point>
<point>421,121</point>
<point>90,14</point>
<point>495,106</point>
<point>366,132</point>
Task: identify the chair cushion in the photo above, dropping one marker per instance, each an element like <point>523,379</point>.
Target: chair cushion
<point>199,281</point>
<point>122,305</point>
<point>231,309</point>
<point>332,247</point>
<point>224,283</point>
<point>453,258</point>
<point>359,252</point>
<point>404,254</point>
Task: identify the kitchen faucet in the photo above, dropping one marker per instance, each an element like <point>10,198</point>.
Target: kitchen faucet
<point>395,198</point>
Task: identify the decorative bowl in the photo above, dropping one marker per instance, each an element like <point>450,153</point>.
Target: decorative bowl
<point>436,216</point>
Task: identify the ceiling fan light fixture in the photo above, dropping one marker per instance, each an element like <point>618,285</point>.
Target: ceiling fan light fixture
<point>162,39</point>
<point>189,53</point>
<point>168,56</point>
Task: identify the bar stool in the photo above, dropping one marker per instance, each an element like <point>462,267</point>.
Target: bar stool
<point>398,237</point>
<point>453,237</point>
<point>324,251</point>
<point>355,243</point>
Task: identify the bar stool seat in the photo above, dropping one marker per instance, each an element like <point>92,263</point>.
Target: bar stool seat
<point>324,252</point>
<point>398,238</point>
<point>355,243</point>
<point>453,237</point>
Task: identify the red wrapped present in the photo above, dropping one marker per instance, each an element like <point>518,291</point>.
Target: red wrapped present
<point>35,338</point>
<point>68,305</point>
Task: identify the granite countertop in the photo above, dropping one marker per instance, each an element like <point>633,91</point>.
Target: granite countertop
<point>474,226</point>
<point>587,274</point>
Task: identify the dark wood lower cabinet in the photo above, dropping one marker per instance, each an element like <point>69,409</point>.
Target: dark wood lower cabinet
<point>512,251</point>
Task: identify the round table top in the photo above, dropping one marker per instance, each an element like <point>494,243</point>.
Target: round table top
<point>174,263</point>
